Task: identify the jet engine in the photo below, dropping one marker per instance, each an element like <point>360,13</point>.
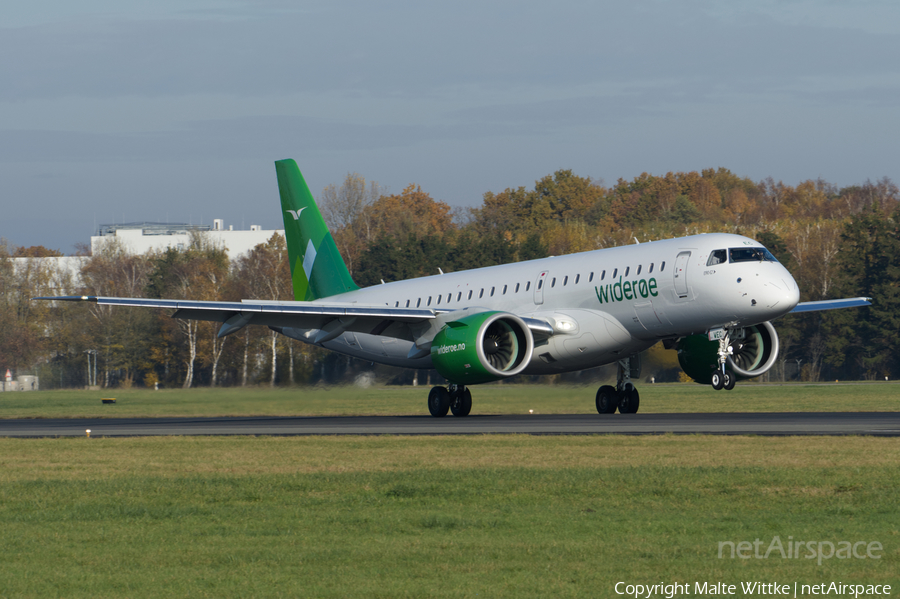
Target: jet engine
<point>754,350</point>
<point>482,347</point>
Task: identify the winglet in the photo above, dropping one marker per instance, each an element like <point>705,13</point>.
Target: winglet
<point>317,269</point>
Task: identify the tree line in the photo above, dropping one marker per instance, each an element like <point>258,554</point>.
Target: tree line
<point>837,242</point>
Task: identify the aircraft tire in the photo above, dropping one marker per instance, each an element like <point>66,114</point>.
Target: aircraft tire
<point>607,400</point>
<point>438,401</point>
<point>717,380</point>
<point>461,403</point>
<point>729,381</point>
<point>629,401</point>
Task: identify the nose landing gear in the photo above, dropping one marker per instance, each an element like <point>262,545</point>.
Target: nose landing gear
<point>721,378</point>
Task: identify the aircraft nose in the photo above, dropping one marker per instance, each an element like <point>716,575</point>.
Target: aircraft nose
<point>781,294</point>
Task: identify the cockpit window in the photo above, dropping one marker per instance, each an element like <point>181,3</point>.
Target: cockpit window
<point>717,257</point>
<point>750,255</point>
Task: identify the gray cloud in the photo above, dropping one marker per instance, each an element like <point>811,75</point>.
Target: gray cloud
<point>422,50</point>
<point>460,97</point>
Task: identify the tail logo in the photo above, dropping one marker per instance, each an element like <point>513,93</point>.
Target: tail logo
<point>296,213</point>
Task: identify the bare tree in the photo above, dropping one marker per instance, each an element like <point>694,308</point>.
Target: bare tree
<point>264,273</point>
<point>815,350</point>
<point>345,212</point>
<point>121,334</point>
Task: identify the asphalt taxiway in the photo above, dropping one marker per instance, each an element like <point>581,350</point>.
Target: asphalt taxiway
<point>770,424</point>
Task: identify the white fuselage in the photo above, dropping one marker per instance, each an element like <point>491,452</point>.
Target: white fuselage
<point>603,305</point>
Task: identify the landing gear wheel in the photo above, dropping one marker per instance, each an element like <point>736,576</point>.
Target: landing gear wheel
<point>461,402</point>
<point>729,381</point>
<point>629,401</point>
<point>438,401</point>
<point>607,399</point>
<point>717,380</point>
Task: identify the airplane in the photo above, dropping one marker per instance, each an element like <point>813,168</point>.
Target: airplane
<point>711,297</point>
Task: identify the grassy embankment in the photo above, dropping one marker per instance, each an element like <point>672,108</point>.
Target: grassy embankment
<point>513,516</point>
<point>487,399</point>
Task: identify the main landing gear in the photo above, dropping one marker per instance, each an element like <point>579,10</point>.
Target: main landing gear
<point>455,398</point>
<point>721,378</point>
<point>623,396</point>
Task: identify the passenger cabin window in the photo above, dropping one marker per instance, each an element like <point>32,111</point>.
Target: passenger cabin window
<point>517,287</point>
<point>615,272</point>
<point>504,290</point>
<point>481,293</point>
<point>750,255</point>
<point>468,297</point>
<point>627,269</point>
<point>650,270</point>
<point>459,296</point>
<point>397,304</point>
<point>492,291</point>
<point>540,284</point>
<point>577,278</point>
<point>429,301</point>
<point>527,285</point>
<point>419,303</point>
<point>662,266</point>
<point>553,282</point>
<point>639,269</point>
<point>717,257</point>
<point>407,303</point>
<point>565,280</point>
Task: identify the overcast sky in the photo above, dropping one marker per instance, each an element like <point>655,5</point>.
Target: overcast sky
<point>175,110</point>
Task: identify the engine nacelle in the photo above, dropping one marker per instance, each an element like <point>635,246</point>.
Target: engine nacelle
<point>482,347</point>
<point>754,352</point>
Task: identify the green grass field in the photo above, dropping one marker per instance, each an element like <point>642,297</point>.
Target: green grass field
<point>459,516</point>
<point>487,399</point>
<point>487,516</point>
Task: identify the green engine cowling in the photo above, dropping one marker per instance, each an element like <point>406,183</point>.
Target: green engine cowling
<point>483,347</point>
<point>754,352</point>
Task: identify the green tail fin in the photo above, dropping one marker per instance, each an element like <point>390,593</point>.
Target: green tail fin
<point>317,269</point>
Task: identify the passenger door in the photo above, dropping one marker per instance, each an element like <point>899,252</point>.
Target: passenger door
<point>681,284</point>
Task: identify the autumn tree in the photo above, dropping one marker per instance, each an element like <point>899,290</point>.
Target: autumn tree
<point>264,273</point>
<point>23,322</point>
<point>122,336</point>
<point>36,251</point>
<point>200,272</point>
<point>412,212</point>
<point>883,195</point>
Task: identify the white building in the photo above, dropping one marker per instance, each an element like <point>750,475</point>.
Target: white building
<point>140,238</point>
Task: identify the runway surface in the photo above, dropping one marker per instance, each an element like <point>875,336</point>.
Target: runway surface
<point>789,423</point>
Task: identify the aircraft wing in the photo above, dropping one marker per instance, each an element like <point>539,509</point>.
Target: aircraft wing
<point>853,302</point>
<point>330,319</point>
<point>301,315</point>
